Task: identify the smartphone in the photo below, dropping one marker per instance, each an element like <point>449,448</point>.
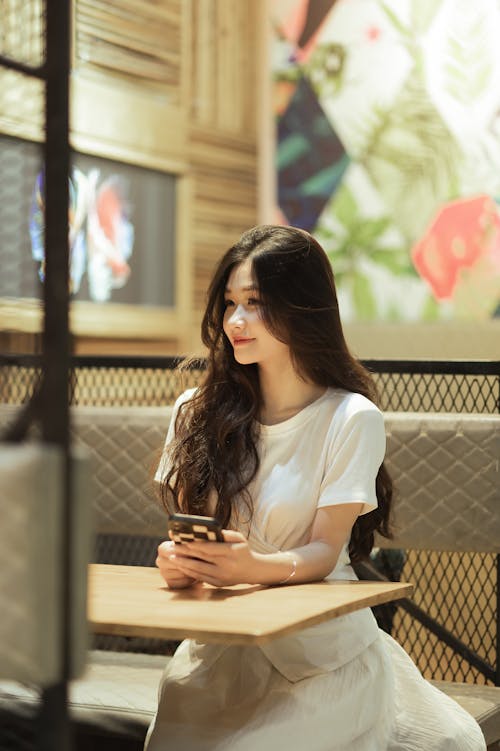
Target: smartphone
<point>188,527</point>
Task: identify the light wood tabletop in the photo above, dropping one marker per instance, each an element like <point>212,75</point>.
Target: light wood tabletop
<point>134,601</point>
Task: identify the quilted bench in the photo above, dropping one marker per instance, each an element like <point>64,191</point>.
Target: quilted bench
<point>446,470</point>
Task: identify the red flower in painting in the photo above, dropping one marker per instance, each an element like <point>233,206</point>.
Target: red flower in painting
<point>464,238</point>
<point>373,33</point>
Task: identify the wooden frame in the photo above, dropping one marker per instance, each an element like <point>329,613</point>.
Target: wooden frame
<point>121,119</point>
<point>132,125</point>
<point>122,321</point>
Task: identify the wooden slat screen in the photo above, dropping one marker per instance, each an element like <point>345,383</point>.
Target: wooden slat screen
<point>223,64</point>
<point>22,29</point>
<point>138,39</point>
<point>224,198</point>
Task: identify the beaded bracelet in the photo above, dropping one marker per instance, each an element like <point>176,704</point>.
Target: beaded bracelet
<point>292,574</point>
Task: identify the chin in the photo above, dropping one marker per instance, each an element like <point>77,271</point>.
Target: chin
<point>242,360</point>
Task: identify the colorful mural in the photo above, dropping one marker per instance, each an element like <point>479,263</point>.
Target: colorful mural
<point>388,150</point>
<point>101,237</point>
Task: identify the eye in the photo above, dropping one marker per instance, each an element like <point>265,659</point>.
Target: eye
<point>228,303</point>
<point>253,301</point>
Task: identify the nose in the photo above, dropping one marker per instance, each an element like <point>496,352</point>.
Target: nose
<point>237,317</point>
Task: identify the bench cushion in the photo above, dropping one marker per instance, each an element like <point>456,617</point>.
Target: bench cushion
<point>32,498</point>
<point>112,704</point>
<point>447,481</point>
<point>445,469</point>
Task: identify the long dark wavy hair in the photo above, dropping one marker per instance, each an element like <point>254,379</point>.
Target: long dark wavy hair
<point>215,449</point>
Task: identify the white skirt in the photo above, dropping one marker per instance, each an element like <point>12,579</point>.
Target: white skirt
<point>232,698</point>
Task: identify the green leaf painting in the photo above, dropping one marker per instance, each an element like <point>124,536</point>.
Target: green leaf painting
<point>422,13</point>
<point>410,90</point>
<point>363,297</point>
<point>326,67</point>
<point>354,240</point>
<point>468,71</point>
<point>413,159</point>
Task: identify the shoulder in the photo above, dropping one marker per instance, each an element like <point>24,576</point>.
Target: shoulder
<point>185,397</point>
<point>352,413</point>
<point>182,399</point>
<point>347,405</point>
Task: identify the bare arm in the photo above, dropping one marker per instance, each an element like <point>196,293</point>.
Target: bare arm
<point>330,532</point>
<point>233,562</point>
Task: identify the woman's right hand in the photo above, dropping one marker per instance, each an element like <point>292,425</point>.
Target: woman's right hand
<point>168,569</point>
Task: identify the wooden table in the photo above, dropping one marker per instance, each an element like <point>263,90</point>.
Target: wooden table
<point>134,601</point>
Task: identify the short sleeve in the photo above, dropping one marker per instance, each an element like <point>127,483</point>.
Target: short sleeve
<point>164,465</point>
<point>354,458</point>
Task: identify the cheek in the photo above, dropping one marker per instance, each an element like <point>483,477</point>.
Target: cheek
<point>254,318</point>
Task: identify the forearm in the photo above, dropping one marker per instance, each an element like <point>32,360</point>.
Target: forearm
<point>311,562</point>
<point>234,562</point>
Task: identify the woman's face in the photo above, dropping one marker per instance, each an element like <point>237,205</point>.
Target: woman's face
<point>244,325</point>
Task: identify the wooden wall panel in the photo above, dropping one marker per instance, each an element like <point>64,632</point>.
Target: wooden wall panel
<point>22,30</point>
<point>223,64</point>
<point>170,85</point>
<point>223,134</point>
<point>224,201</point>
<point>139,40</point>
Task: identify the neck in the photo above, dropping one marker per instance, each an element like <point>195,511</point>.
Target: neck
<point>284,393</point>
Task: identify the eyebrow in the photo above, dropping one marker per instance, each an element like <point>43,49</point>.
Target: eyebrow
<point>251,288</point>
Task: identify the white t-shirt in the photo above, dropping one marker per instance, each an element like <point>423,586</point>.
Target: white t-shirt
<point>328,453</point>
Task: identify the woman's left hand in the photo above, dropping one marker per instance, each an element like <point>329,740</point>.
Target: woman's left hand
<point>216,563</point>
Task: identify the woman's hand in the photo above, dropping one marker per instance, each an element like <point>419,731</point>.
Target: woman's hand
<point>166,562</point>
<point>218,563</point>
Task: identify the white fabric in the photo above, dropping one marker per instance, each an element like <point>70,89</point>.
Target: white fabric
<point>342,685</point>
<point>328,453</point>
<point>163,465</point>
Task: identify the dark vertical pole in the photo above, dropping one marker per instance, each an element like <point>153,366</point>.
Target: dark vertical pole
<point>54,730</point>
<point>57,165</point>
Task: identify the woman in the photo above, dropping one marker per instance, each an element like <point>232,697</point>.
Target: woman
<point>283,443</point>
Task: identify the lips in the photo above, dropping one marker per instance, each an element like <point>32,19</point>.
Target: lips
<point>241,340</point>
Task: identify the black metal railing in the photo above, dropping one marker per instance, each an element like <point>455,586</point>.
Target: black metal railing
<point>437,385</point>
<point>403,385</point>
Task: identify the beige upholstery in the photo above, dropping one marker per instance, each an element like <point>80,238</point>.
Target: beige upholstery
<point>137,675</point>
<point>446,470</point>
<point>30,563</point>
<point>124,446</point>
<point>112,703</point>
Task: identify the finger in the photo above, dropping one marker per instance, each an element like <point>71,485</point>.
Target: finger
<point>207,551</point>
<point>178,578</point>
<point>231,535</point>
<point>180,585</point>
<point>166,560</point>
<point>180,582</point>
<point>160,562</point>
<point>170,574</point>
<point>195,568</point>
<point>182,551</point>
<point>165,548</point>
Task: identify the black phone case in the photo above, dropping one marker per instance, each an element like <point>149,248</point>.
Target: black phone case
<point>187,527</point>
